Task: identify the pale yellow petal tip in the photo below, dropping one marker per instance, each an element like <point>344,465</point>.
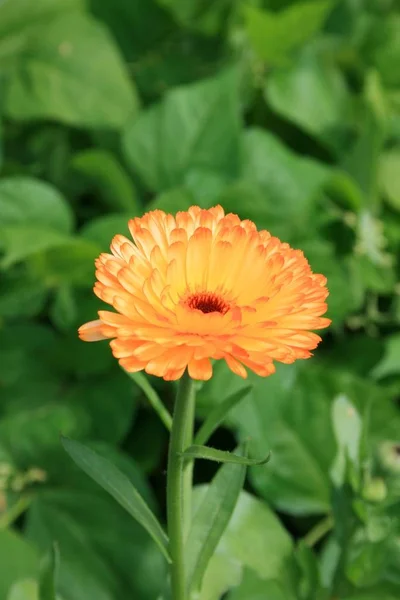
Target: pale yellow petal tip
<point>91,332</point>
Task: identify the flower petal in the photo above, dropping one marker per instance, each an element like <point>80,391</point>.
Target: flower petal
<point>206,285</point>
<point>92,332</point>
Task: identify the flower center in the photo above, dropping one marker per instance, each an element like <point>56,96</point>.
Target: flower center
<point>207,302</point>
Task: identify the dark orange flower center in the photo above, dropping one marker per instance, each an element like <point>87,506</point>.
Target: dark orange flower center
<point>207,302</point>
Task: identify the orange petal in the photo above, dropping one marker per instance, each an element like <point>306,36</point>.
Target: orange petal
<point>236,366</point>
<point>206,285</point>
<point>200,369</point>
<point>91,332</point>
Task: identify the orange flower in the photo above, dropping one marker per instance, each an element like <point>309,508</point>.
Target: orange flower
<point>201,286</point>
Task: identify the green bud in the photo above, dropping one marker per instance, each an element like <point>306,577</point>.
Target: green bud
<point>36,475</point>
<point>389,456</point>
<point>5,469</point>
<point>375,490</point>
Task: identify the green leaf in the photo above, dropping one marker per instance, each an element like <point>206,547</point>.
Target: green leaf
<point>120,488</point>
<point>366,562</point>
<point>344,191</point>
<point>106,555</point>
<point>223,573</point>
<point>387,53</point>
<point>67,263</point>
<point>276,417</point>
<point>101,230</point>
<point>389,364</point>
<point>22,241</point>
<point>359,354</point>
<point>178,56</point>
<point>274,35</point>
<point>26,13</point>
<point>103,171</point>
<point>67,474</point>
<point>31,433</point>
<point>379,592</point>
<point>290,413</point>
<point>342,301</point>
<point>1,145</point>
<point>21,362</point>
<point>48,575</point>
<point>35,408</point>
<point>282,174</point>
<point>56,78</point>
<point>322,100</point>
<point>377,275</point>
<point>211,519</point>
<point>21,294</point>
<point>254,540</point>
<point>26,589</point>
<point>206,114</point>
<point>347,426</point>
<point>282,187</point>
<point>362,161</point>
<point>199,14</point>
<point>218,414</point>
<point>297,480</point>
<point>308,581</point>
<point>108,399</point>
<point>222,456</point>
<point>18,560</point>
<point>29,201</point>
<point>206,186</point>
<point>255,588</point>
<point>84,361</point>
<point>152,396</point>
<point>139,28</point>
<point>147,456</point>
<point>19,19</point>
<point>72,307</point>
<point>389,176</point>
<point>173,200</point>
<point>63,310</point>
<point>375,264</point>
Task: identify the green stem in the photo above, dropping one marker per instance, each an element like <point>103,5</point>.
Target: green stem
<point>16,510</point>
<point>319,531</point>
<point>188,466</point>
<point>152,397</point>
<point>179,483</point>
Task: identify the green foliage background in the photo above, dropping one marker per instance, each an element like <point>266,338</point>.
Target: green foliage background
<point>285,112</point>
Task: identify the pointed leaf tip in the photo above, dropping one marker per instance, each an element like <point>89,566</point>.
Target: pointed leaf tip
<point>206,453</point>
<point>48,575</point>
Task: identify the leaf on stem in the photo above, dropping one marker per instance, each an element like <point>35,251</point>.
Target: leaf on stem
<point>121,489</point>
<point>222,456</point>
<point>348,429</point>
<point>211,520</point>
<point>218,414</point>
<point>48,574</point>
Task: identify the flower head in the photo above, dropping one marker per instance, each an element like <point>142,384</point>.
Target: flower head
<point>204,285</point>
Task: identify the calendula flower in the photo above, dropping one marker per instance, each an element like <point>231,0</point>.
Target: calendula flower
<point>204,285</point>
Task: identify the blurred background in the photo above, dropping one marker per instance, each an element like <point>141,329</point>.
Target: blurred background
<point>285,112</point>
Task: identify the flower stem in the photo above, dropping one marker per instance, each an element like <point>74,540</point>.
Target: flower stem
<point>319,531</point>
<point>16,510</point>
<point>189,464</point>
<point>179,483</point>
